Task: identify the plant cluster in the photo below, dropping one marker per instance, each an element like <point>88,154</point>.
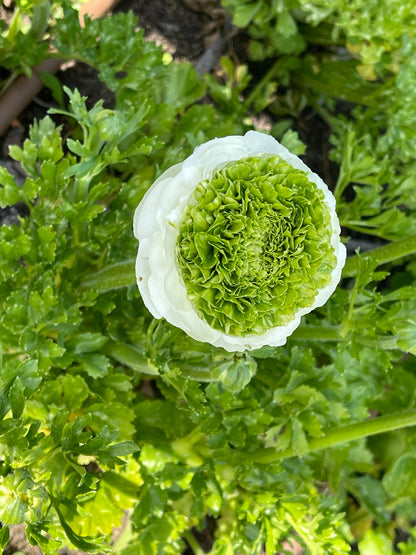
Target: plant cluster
<point>367,30</point>
<point>105,410</point>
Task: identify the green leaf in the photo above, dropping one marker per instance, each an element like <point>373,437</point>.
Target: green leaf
<point>17,398</point>
<point>286,25</point>
<point>122,449</point>
<point>14,512</point>
<point>95,364</point>
<point>400,480</point>
<point>372,494</point>
<point>152,501</point>
<point>115,415</point>
<point>4,536</point>
<point>299,441</point>
<point>58,424</point>
<point>83,543</point>
<point>292,142</point>
<point>77,148</point>
<point>86,342</point>
<point>400,320</point>
<point>244,14</point>
<point>10,193</point>
<point>183,87</point>
<point>47,243</point>
<point>375,542</point>
<point>75,391</point>
<point>54,85</point>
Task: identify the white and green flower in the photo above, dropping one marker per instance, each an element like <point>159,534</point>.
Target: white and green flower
<point>237,243</point>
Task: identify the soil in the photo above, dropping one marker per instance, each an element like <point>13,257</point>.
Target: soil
<point>195,30</point>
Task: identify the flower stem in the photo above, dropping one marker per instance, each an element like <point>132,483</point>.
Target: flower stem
<point>317,333</point>
<point>350,432</point>
<point>387,253</point>
<point>334,334</point>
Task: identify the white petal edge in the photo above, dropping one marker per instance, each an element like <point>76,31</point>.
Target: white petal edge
<point>156,224</point>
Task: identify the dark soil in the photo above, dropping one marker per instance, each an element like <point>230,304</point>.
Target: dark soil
<point>180,25</point>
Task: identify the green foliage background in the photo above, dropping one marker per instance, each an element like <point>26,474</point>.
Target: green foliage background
<point>105,410</point>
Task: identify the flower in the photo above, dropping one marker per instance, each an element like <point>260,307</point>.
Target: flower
<point>237,243</point>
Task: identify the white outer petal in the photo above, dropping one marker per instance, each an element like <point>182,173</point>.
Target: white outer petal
<point>156,226</point>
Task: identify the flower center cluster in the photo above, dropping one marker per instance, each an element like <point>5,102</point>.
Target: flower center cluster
<point>254,245</point>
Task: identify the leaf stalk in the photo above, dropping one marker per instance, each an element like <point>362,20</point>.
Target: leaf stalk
<point>343,434</point>
<point>383,255</point>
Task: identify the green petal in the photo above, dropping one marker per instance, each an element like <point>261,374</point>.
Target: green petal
<point>254,245</point>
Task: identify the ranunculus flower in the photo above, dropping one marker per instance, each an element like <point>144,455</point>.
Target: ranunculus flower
<point>237,242</point>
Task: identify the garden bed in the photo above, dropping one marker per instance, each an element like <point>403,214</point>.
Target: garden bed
<point>110,416</point>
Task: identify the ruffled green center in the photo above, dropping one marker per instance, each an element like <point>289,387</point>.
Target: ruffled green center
<point>254,245</point>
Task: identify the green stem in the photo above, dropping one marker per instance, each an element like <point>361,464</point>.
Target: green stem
<point>193,544</point>
<point>361,227</point>
<point>322,333</point>
<point>184,448</point>
<point>383,255</point>
<point>39,19</point>
<point>344,434</point>
<point>317,333</point>
<point>261,84</point>
<point>299,529</point>
<point>81,195</point>
<point>113,277</point>
<point>125,537</point>
<point>385,343</point>
<point>83,186</point>
<point>344,176</point>
<point>8,83</point>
